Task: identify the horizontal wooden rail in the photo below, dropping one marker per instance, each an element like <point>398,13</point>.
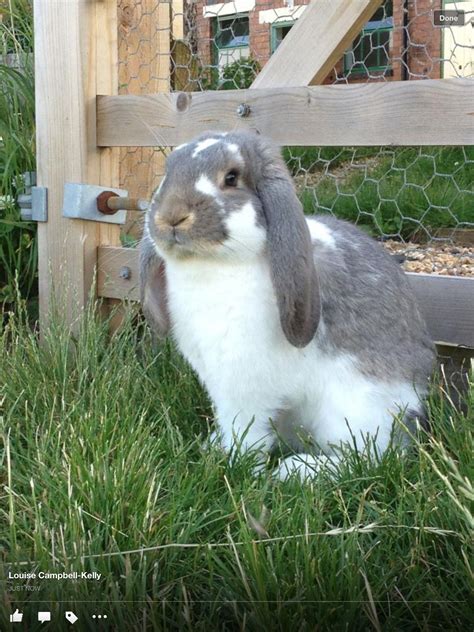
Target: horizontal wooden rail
<point>446,302</point>
<point>430,112</point>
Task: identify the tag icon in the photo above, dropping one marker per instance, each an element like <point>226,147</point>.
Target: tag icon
<point>71,617</point>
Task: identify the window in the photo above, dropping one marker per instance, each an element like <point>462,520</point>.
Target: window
<point>371,50</point>
<point>279,31</point>
<point>232,39</point>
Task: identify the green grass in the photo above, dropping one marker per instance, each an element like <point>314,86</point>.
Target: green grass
<point>18,246</point>
<point>102,470</point>
<point>400,192</point>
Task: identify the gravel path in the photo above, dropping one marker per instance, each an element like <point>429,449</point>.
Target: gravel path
<point>437,258</point>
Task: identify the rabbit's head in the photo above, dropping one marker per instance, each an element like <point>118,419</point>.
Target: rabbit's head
<point>230,196</point>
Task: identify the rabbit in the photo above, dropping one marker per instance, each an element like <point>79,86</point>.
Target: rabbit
<point>301,328</point>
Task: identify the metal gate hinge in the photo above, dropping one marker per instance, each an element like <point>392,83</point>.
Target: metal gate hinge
<point>34,202</point>
<point>99,204</point>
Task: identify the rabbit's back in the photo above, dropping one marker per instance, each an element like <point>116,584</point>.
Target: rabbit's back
<point>368,308</point>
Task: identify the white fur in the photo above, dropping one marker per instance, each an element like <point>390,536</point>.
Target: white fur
<point>235,150</point>
<point>321,232</point>
<point>204,185</point>
<point>182,146</point>
<point>204,144</point>
<point>146,229</point>
<point>146,225</point>
<point>226,323</point>
<point>246,238</point>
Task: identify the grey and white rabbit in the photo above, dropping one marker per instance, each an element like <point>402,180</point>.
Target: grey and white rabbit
<point>298,327</point>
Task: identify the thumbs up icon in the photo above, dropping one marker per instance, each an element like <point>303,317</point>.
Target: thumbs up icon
<point>16,617</point>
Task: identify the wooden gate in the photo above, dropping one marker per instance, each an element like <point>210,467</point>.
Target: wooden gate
<point>83,124</point>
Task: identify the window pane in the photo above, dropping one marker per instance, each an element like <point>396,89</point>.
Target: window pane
<point>233,32</point>
<point>281,33</point>
<point>377,48</point>
<point>229,55</point>
<point>278,35</point>
<point>358,48</point>
<point>385,11</point>
<point>370,51</point>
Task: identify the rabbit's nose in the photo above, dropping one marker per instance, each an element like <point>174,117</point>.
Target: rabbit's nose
<point>181,219</point>
<point>177,220</point>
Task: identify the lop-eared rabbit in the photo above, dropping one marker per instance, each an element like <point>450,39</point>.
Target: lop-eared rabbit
<point>302,329</point>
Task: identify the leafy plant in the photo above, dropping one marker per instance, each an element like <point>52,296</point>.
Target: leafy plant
<point>238,75</point>
<point>18,250</point>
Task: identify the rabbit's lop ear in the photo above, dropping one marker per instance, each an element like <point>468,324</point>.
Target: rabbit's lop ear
<point>153,288</point>
<point>290,251</point>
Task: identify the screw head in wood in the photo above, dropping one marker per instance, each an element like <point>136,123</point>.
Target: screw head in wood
<point>125,272</point>
<point>243,110</point>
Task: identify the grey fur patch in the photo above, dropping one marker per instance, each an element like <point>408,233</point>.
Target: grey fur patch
<point>290,250</point>
<point>369,309</point>
<point>153,288</point>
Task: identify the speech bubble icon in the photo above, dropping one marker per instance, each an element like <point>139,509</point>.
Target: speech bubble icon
<point>70,616</point>
<point>44,616</point>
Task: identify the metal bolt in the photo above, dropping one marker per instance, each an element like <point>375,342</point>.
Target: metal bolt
<point>103,202</point>
<point>243,110</point>
<point>125,272</point>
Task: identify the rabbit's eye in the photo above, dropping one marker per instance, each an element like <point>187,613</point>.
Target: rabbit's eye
<point>231,178</point>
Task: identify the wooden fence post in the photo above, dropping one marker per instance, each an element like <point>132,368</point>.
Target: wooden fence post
<point>75,52</point>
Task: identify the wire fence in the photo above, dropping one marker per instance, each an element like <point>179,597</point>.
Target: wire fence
<point>402,194</point>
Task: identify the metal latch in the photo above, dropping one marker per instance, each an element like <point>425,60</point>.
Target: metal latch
<point>34,202</point>
<point>99,204</point>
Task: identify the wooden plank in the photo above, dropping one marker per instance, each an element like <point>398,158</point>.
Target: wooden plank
<point>387,113</point>
<point>315,43</point>
<point>446,302</point>
<point>107,160</point>
<point>110,283</point>
<point>448,306</point>
<point>65,70</point>
<point>177,23</point>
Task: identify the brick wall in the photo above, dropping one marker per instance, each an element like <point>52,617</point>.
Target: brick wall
<point>424,40</point>
<point>204,35</point>
<point>398,37</point>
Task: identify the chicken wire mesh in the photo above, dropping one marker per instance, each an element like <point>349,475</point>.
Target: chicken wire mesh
<point>399,194</point>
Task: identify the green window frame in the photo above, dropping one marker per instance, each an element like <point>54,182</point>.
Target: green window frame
<point>370,41</point>
<point>375,38</point>
<point>274,43</point>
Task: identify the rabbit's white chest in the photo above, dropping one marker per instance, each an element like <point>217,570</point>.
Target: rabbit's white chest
<point>222,313</point>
